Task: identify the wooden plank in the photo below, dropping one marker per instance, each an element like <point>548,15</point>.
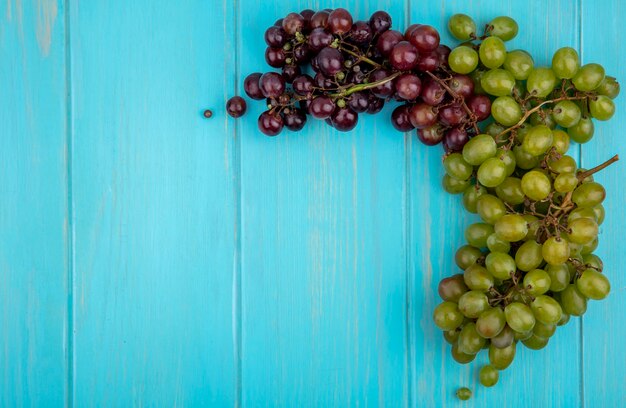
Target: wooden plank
<point>34,245</point>
<point>603,345</point>
<point>324,259</point>
<point>156,199</point>
<point>549,377</point>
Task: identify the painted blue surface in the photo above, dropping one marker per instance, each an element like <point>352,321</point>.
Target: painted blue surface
<point>151,257</point>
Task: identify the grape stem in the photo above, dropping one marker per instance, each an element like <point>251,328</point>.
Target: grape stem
<point>363,87</point>
<point>360,57</point>
<point>458,98</point>
<point>537,108</point>
<point>587,173</point>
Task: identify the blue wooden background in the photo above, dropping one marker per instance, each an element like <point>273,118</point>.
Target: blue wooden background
<point>151,257</point>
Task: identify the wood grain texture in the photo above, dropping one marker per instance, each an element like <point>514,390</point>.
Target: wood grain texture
<point>194,262</point>
<point>34,245</point>
<point>156,191</point>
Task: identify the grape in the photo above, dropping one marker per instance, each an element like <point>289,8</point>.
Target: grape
<point>251,86</point>
<point>470,342</point>
<point>492,172</point>
<point>503,27</point>
<point>519,317</point>
<point>506,110</point>
<point>455,139</point>
<point>537,282</point>
<point>555,251</point>
<point>432,93</point>
<point>400,118</point>
<point>463,60</point>
<point>565,62</point>
<point>479,149</point>
<point>422,115</point>
<point>572,301</point>
<point>344,119</point>
<point>466,256</point>
<point>275,57</point>
<point>380,21</point>
<point>424,38</point>
<point>503,340</point>
<point>471,195</point>
<point>360,33</point>
<point>359,102</point>
<point>583,230</point>
<point>488,376</point>
<point>460,357</point>
<point>581,132</point>
<point>330,61</point>
<point>457,167</point>
<point>272,85</point>
<point>528,256</point>
<point>339,21</point>
<point>602,107</point>
<point>492,52</point>
<point>462,27</point>
<point>589,195</point>
<point>588,77</point>
<point>408,86</point>
<point>544,330</point>
<point>473,303</point>
<point>566,113</point>
<point>593,284</point>
<point>476,277</point>
<point>387,41</point>
<point>447,316</point>
<point>490,322</point>
<point>319,38</point>
<point>536,185</point>
<point>480,105</point>
<point>560,141</point>
<point>546,309</point>
<point>451,289</point>
<point>452,115</point>
<point>403,56</point>
<point>519,63</point>
<point>321,107</point>
<point>535,342</point>
<point>501,357</point>
<point>270,123</point>
<point>497,82</point>
<point>463,393</point>
<point>450,184</point>
<point>236,106</point>
<point>295,119</point>
<point>510,191</point>
<point>303,84</point>
<point>541,82</point>
<point>608,87</point>
<point>431,135</point>
<point>511,227</point>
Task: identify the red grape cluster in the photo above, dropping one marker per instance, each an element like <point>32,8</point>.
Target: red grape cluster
<point>334,68</point>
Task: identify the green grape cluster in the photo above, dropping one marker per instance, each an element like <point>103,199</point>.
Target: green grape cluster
<point>528,265</point>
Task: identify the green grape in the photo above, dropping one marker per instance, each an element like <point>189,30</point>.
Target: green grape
<point>572,301</point>
<point>587,179</point>
<point>457,167</point>
<point>522,335</point>
<point>593,284</point>
<point>447,316</point>
<point>566,113</point>
<point>559,277</point>
<point>490,208</point>
<point>498,82</point>
<point>599,211</point>
<point>463,60</point>
<point>535,342</point>
<point>589,247</point>
<point>541,82</point>
<point>476,77</point>
<point>593,261</point>
<point>608,87</point>
<point>544,330</point>
<point>460,357</point>
<point>495,244</point>
<point>462,27</point>
<point>476,234</point>
<point>542,117</point>
<point>587,212</point>
<point>582,230</point>
<point>565,62</point>
<point>503,27</point>
<point>565,182</point>
<point>519,317</point>
<point>536,282</point>
<point>492,52</point>
<point>555,250</point>
<point>511,227</point>
<point>519,63</point>
<point>536,185</point>
<point>464,393</point>
<point>546,309</point>
<point>453,185</point>
<point>533,226</point>
<point>588,77</point>
<point>588,195</point>
<point>528,256</point>
<point>470,197</point>
<point>491,172</point>
<point>452,288</point>
<point>510,191</point>
<point>479,149</point>
<point>565,164</point>
<point>560,141</point>
<point>538,140</point>
<point>488,376</point>
<point>564,320</point>
<point>490,322</point>
<point>582,132</point>
<point>494,129</point>
<point>504,339</point>
<point>574,248</point>
<point>477,277</point>
<point>602,107</point>
<point>508,158</point>
<point>501,265</point>
<point>523,159</point>
<point>466,256</point>
<point>506,110</point>
<point>501,357</point>
<point>473,303</point>
<point>470,342</point>
<point>451,336</point>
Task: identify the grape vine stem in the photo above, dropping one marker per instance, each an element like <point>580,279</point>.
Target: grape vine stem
<point>360,57</point>
<point>537,108</point>
<point>456,97</point>
<point>587,173</point>
<point>363,87</point>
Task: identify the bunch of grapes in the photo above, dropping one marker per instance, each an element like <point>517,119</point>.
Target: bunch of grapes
<point>334,68</point>
<point>528,266</point>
